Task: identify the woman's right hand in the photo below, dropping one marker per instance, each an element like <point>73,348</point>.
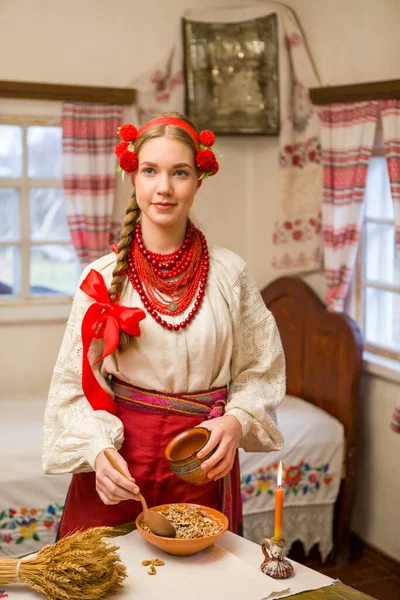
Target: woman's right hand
<point>111,486</point>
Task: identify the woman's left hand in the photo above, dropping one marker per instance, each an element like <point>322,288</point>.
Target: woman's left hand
<point>227,432</point>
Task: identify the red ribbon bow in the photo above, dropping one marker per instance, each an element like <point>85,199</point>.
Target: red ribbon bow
<point>103,319</point>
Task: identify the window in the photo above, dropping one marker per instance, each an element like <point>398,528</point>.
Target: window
<point>38,263</point>
<point>379,269</point>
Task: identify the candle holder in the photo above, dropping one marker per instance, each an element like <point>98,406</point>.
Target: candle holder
<point>276,564</point>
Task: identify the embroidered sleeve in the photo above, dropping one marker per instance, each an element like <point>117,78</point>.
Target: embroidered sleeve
<point>74,433</point>
<point>258,368</point>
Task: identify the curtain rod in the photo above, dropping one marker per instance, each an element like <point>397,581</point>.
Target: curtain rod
<point>359,92</point>
<point>67,93</point>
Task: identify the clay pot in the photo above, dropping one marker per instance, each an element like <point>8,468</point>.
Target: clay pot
<point>184,546</point>
<point>181,454</point>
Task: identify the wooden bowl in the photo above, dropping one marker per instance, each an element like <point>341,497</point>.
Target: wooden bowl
<point>184,546</point>
<point>181,454</point>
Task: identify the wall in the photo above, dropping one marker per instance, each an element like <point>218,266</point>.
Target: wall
<point>99,42</point>
<point>376,516</point>
<point>354,42</point>
<point>104,42</point>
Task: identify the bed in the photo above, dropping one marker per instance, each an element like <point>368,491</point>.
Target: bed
<point>318,419</point>
<point>31,503</point>
<point>323,355</point>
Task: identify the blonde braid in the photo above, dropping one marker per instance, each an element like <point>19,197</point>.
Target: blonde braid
<point>120,269</point>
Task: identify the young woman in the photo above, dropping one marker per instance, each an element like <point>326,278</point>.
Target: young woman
<point>182,338</point>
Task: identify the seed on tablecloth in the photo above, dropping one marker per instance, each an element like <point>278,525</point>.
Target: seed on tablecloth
<point>152,570</point>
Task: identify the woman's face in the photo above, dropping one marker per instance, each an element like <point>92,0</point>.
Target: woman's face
<point>165,182</point>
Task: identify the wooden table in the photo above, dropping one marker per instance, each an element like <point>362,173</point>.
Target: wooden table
<point>338,591</point>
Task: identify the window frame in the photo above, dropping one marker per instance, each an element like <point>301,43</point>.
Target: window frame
<point>361,283</point>
<point>24,184</point>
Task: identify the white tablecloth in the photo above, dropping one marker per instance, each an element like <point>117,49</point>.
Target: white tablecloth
<point>229,569</point>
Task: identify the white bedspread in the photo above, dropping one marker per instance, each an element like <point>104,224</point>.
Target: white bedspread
<point>312,460</point>
<point>30,502</point>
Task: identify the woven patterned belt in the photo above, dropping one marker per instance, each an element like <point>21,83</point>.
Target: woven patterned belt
<point>209,403</point>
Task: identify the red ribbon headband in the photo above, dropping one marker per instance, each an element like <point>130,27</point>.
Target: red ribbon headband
<point>103,319</point>
<point>171,121</point>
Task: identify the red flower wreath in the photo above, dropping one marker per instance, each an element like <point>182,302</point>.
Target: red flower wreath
<point>128,133</point>
<point>206,161</point>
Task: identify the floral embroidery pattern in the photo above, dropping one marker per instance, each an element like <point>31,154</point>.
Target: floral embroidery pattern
<point>301,261</point>
<point>16,526</point>
<point>297,230</point>
<point>165,84</point>
<point>162,85</point>
<point>299,155</point>
<point>297,479</point>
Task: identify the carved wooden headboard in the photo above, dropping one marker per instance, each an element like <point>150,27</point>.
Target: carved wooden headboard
<point>323,353</point>
<point>323,350</point>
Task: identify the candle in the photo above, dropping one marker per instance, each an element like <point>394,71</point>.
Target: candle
<point>279,492</point>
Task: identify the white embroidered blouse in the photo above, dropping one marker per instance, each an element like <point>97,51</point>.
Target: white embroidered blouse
<point>232,340</point>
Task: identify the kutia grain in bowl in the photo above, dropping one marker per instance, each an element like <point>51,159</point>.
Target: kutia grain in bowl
<point>190,521</point>
<point>197,528</point>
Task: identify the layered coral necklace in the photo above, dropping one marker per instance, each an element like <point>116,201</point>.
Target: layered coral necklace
<point>168,283</point>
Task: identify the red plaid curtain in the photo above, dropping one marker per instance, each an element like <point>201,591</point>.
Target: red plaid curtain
<point>89,172</point>
<point>390,114</point>
<point>347,139</point>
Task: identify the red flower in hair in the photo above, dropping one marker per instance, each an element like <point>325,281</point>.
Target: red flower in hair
<point>128,161</point>
<point>120,148</point>
<point>206,137</point>
<point>215,169</point>
<point>205,160</point>
<point>128,133</point>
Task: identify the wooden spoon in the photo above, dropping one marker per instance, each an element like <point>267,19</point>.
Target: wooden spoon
<point>153,519</point>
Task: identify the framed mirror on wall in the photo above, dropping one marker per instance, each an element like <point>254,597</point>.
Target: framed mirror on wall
<point>232,76</point>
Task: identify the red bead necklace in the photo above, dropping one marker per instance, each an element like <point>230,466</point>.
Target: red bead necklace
<point>167,283</point>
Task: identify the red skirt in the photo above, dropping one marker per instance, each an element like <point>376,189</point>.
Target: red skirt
<point>146,436</point>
